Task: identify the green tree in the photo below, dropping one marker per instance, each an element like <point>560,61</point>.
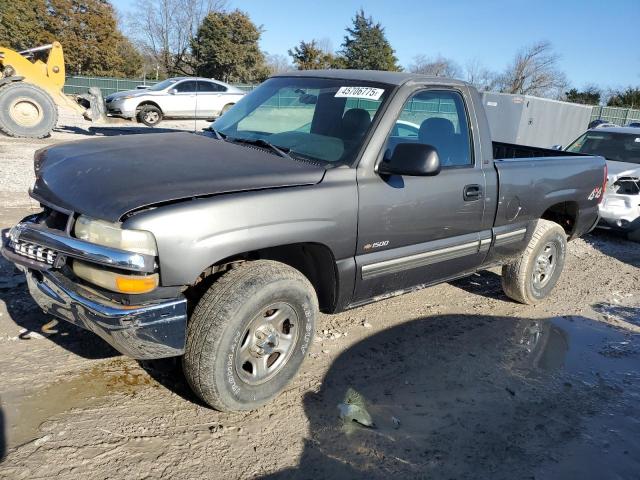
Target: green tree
<point>366,47</point>
<point>226,47</point>
<point>629,98</point>
<point>588,96</point>
<point>87,30</point>
<point>130,59</point>
<point>21,23</point>
<point>309,56</point>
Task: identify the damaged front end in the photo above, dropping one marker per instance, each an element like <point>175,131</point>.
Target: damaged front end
<point>620,208</point>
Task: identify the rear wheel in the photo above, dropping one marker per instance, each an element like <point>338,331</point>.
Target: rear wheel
<point>26,111</point>
<point>249,334</point>
<point>150,115</point>
<point>532,277</point>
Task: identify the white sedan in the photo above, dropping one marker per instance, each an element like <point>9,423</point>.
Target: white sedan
<point>180,97</point>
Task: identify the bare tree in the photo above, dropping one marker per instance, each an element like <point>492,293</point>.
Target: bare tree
<point>165,29</point>
<point>480,77</point>
<point>438,66</point>
<point>325,45</point>
<point>278,63</point>
<point>534,71</point>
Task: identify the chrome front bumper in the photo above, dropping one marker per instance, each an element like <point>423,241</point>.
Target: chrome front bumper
<point>153,330</point>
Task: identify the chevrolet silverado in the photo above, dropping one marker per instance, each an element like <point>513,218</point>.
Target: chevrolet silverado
<point>310,194</point>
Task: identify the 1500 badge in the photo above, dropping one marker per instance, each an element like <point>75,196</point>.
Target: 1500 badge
<point>370,246</point>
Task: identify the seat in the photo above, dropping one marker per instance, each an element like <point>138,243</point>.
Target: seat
<point>439,133</point>
<point>355,123</point>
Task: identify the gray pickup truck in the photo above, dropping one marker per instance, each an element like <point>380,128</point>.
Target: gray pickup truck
<point>319,191</point>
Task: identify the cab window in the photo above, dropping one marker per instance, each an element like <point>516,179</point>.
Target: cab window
<point>437,118</point>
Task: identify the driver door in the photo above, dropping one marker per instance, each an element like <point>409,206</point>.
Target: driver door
<point>414,231</point>
<point>182,101</point>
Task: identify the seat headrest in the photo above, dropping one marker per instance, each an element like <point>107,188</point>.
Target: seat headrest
<point>435,128</point>
<point>355,121</point>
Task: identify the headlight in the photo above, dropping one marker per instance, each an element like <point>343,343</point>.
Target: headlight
<point>113,281</point>
<point>126,97</point>
<point>112,235</point>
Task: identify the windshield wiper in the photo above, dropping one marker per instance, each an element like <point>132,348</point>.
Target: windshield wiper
<point>219,135</point>
<point>260,142</point>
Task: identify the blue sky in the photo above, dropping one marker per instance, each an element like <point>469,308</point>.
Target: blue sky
<point>598,41</point>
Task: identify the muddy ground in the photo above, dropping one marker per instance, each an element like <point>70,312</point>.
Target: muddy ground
<point>460,381</point>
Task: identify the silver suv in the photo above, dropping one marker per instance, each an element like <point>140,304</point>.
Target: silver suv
<point>180,97</point>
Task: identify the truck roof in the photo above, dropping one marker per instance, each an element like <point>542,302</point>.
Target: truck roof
<point>391,78</point>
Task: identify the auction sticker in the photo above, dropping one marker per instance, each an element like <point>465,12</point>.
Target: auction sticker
<point>369,93</point>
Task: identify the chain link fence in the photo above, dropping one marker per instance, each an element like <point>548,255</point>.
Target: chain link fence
<point>79,84</point>
<point>619,116</point>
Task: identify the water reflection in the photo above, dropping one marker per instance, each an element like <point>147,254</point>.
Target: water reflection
<point>467,397</point>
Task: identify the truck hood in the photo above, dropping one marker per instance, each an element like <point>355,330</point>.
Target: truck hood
<point>108,177</point>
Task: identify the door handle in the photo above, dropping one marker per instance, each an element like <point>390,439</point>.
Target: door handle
<point>472,192</point>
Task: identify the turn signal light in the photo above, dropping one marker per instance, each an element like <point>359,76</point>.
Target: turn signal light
<point>136,284</point>
<point>116,282</point>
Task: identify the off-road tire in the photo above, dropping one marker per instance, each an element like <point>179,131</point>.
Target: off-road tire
<point>518,277</point>
<point>40,109</point>
<point>147,111</point>
<point>222,316</point>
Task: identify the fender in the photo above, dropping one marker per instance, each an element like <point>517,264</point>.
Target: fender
<point>194,235</point>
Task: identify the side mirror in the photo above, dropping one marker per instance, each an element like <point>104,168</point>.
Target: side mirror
<point>556,147</point>
<point>412,159</point>
<point>172,91</point>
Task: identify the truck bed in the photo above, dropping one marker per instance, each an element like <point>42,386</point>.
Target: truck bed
<point>503,151</point>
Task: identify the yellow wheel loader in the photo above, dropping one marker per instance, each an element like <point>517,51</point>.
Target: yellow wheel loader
<point>31,85</point>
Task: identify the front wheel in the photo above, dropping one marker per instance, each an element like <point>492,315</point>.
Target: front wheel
<point>249,334</point>
<point>150,115</point>
<point>532,277</point>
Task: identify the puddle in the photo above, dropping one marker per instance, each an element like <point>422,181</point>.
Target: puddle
<point>25,412</point>
<point>484,397</point>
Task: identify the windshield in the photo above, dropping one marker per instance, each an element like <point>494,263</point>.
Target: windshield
<point>317,118</point>
<point>163,84</point>
<point>619,147</point>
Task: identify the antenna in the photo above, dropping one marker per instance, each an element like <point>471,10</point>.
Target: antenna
<point>195,108</point>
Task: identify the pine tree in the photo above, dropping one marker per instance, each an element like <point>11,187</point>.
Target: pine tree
<point>226,47</point>
<point>366,47</point>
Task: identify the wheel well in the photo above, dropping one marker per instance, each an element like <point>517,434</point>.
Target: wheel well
<point>145,103</point>
<point>315,261</point>
<point>564,214</point>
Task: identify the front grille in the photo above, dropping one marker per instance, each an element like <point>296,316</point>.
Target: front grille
<point>34,252</point>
